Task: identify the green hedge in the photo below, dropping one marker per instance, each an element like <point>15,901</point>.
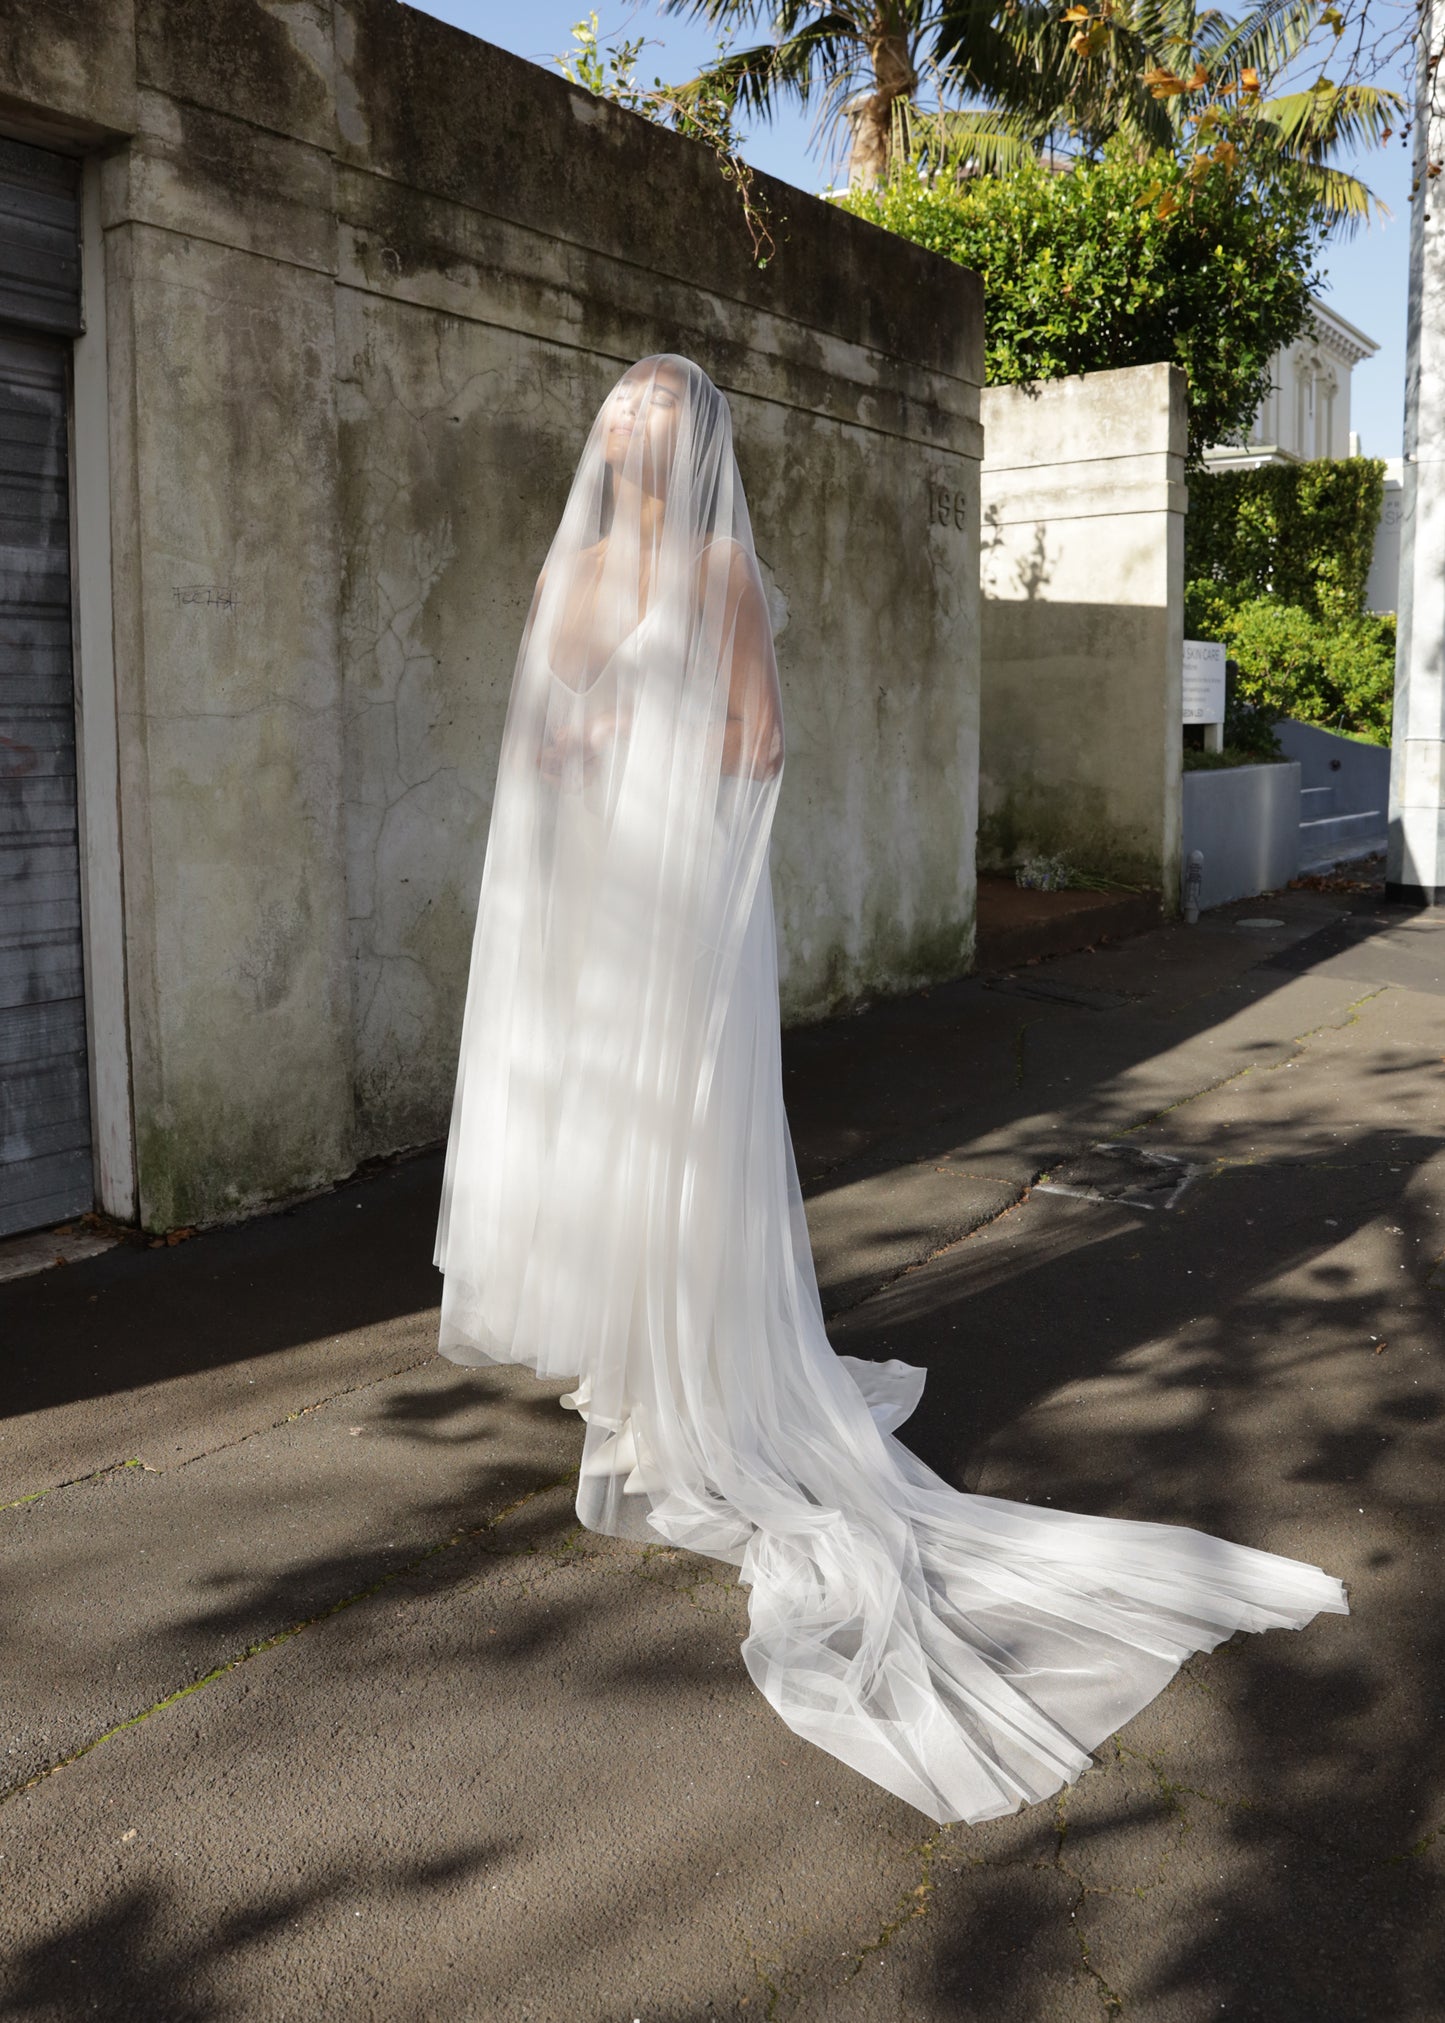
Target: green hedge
<point>1303,534</point>
<point>1339,674</point>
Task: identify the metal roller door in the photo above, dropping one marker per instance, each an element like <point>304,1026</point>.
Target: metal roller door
<point>45,1156</point>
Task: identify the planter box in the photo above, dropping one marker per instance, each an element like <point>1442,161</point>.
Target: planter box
<point>1245,819</point>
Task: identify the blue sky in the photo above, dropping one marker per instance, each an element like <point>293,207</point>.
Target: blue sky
<point>1365,275</point>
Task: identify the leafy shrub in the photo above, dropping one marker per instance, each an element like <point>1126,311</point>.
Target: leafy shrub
<point>1124,262</point>
<point>1292,663</point>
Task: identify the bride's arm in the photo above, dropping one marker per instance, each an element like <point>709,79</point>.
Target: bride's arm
<point>753,738</point>
<point>558,742</point>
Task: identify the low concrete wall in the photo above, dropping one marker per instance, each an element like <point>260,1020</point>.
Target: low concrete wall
<point>1245,819</point>
<point>1344,795</point>
<point>367,279</point>
<point>1358,775</point>
<point>1083,639</point>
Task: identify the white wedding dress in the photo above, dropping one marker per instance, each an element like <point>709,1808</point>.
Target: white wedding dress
<point>621,1205</point>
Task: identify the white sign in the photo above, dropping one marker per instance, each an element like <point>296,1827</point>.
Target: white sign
<point>1203,681</point>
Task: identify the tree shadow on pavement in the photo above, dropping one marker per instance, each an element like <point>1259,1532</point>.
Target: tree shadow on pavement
<point>1253,1366</point>
<point>140,1955</point>
<point>1260,1843</point>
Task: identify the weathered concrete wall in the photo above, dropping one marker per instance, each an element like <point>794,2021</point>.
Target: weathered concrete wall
<point>1083,598</point>
<point>67,71</point>
<point>367,280</point>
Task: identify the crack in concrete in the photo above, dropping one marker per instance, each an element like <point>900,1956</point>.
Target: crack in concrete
<point>1298,1043</point>
<point>911,1906</point>
<point>1110,1998</point>
<point>78,1481</point>
<point>262,1645</point>
<point>940,1847</point>
<point>837,1312</point>
<point>1421,1848</point>
<point>222,1446</point>
<point>1172,1795</point>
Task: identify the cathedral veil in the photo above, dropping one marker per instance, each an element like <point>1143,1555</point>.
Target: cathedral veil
<point>621,1205</point>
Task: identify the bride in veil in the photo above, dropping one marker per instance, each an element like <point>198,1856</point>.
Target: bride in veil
<point>621,1205</point>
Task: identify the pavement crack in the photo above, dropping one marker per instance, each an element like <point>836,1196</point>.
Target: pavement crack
<point>1297,1045</point>
<point>1025,1188</point>
<point>1422,1847</point>
<point>1110,1998</point>
<point>262,1645</point>
<point>291,1418</point>
<point>78,1481</point>
<point>221,1446</point>
<point>911,1906</point>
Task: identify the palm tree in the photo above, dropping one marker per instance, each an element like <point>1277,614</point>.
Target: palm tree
<point>1015,77</point>
<point>859,60</point>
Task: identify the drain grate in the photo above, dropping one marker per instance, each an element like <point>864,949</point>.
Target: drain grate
<point>1132,1175</point>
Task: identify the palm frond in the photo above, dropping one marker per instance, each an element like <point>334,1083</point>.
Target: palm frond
<point>977,143</point>
<point>721,13</point>
<point>1351,117</point>
<point>1342,198</point>
<point>809,62</point>
<point>1267,40</point>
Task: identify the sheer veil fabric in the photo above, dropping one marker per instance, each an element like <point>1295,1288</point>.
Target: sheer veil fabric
<point>621,1204</point>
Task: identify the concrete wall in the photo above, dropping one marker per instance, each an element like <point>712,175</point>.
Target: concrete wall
<point>1246,822</point>
<point>366,280</point>
<point>1344,794</point>
<point>1083,582</point>
<point>1358,775</point>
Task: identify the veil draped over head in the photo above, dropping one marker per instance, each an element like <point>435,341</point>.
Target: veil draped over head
<point>621,1204</point>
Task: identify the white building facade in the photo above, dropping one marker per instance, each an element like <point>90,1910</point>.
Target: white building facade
<point>1306,413</point>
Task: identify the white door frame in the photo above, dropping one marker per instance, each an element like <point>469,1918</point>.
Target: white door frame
<point>102,899</point>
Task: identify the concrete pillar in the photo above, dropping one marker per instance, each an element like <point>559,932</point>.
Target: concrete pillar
<point>1082,571</point>
<point>1415,872</point>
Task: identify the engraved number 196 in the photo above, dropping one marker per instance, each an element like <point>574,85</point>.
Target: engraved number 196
<point>947,508</point>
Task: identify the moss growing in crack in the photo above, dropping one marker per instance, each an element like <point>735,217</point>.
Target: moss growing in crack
<point>284,1636</point>
<point>75,1481</point>
<point>910,1908</point>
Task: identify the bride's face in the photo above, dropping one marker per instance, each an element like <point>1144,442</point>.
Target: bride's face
<point>643,412</point>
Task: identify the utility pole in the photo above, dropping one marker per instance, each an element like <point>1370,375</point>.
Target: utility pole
<point>1415,869</point>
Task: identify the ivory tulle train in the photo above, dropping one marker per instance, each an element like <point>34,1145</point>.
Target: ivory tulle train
<point>964,1652</point>
<point>621,1207</point>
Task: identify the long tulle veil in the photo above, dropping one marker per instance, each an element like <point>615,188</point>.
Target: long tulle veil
<point>621,1204</point>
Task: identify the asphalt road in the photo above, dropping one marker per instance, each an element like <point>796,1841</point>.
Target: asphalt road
<point>316,1701</point>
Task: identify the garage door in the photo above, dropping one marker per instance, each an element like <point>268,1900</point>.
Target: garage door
<point>45,1158</point>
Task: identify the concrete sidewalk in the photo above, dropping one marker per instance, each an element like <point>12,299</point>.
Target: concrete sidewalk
<point>318,1703</point>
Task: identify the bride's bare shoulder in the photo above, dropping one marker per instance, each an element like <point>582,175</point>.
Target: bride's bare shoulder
<point>728,555</point>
